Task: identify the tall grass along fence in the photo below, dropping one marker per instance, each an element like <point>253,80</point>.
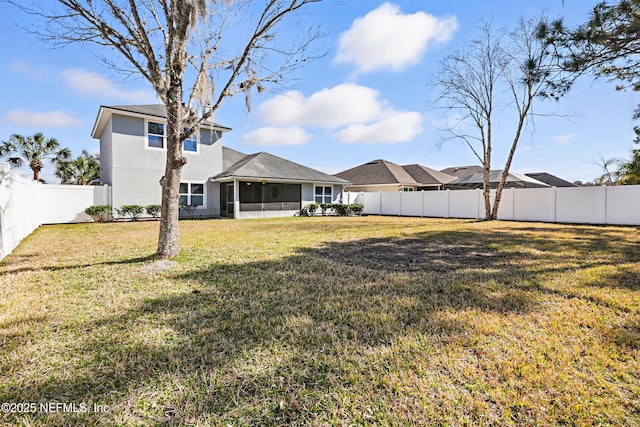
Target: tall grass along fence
<point>25,205</point>
<point>575,205</point>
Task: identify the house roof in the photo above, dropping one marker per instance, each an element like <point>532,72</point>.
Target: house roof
<point>377,172</point>
<point>426,176</point>
<point>461,171</point>
<point>263,165</point>
<point>552,180</point>
<point>382,172</point>
<point>230,157</point>
<point>142,111</point>
<point>477,178</point>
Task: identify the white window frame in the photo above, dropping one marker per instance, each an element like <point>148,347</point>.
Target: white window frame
<point>189,194</point>
<point>196,139</point>
<point>324,194</point>
<point>164,138</point>
<point>146,135</point>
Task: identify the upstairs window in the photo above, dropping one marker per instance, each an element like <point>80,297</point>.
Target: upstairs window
<point>156,134</point>
<point>191,194</point>
<point>191,143</point>
<point>323,195</point>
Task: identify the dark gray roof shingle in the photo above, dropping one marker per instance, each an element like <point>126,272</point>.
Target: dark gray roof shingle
<point>377,172</point>
<point>267,166</point>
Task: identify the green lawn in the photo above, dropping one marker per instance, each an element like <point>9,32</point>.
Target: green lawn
<point>324,321</point>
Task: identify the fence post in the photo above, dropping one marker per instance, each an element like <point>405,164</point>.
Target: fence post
<point>448,203</point>
<point>555,203</point>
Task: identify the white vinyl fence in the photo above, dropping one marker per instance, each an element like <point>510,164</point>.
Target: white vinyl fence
<point>26,204</point>
<point>576,205</point>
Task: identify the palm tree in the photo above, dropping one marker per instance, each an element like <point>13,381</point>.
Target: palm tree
<point>629,170</point>
<point>33,150</point>
<point>82,170</point>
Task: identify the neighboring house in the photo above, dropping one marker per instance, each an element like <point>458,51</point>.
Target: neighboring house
<point>215,179</point>
<point>381,175</point>
<point>552,180</point>
<point>476,179</point>
<point>461,171</point>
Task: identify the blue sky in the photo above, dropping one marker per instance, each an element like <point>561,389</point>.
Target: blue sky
<point>367,98</point>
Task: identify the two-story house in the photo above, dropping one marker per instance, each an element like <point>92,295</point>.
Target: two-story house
<point>216,180</point>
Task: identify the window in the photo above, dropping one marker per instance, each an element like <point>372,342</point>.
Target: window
<point>191,143</point>
<point>156,133</point>
<point>323,195</point>
<point>407,189</point>
<point>191,194</point>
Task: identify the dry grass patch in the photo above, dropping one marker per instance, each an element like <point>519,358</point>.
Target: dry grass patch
<point>325,321</point>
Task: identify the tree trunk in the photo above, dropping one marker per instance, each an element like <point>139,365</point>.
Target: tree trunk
<point>170,182</point>
<point>36,167</point>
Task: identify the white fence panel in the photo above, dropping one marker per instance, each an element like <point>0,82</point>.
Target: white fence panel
<point>581,205</point>
<point>436,203</point>
<point>586,205</point>
<point>412,203</point>
<point>464,203</point>
<point>66,203</point>
<point>535,204</point>
<point>371,203</point>
<point>390,203</point>
<point>19,208</point>
<point>623,205</point>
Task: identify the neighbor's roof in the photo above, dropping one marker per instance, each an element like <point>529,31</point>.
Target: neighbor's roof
<point>552,180</point>
<point>142,111</point>
<point>377,172</point>
<point>425,175</point>
<point>477,178</point>
<point>461,171</point>
<point>263,165</point>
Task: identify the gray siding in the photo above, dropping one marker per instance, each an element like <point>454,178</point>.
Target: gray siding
<point>137,169</point>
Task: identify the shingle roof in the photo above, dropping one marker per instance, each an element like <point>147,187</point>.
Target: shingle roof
<point>461,171</point>
<point>425,175</point>
<point>267,166</point>
<point>377,172</point>
<point>154,110</point>
<point>230,157</point>
<point>552,180</point>
<point>476,179</point>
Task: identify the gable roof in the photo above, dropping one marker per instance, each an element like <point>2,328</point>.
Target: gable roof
<point>230,157</point>
<point>377,172</point>
<point>142,111</point>
<point>425,175</point>
<point>461,171</point>
<point>263,165</point>
<point>552,180</point>
<point>476,179</point>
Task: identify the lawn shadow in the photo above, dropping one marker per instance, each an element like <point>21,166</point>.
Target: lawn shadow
<point>12,267</point>
<point>277,338</point>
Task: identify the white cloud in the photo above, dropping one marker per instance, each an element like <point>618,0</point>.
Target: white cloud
<point>21,67</point>
<point>338,106</point>
<point>98,86</point>
<point>400,127</point>
<point>564,139</point>
<point>386,39</point>
<point>275,136</point>
<point>36,119</point>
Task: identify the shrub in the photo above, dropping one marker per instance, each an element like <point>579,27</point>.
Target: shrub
<point>324,207</point>
<point>133,211</point>
<point>356,208</point>
<point>153,210</point>
<point>312,208</point>
<point>98,212</point>
<point>189,209</point>
<point>341,209</point>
